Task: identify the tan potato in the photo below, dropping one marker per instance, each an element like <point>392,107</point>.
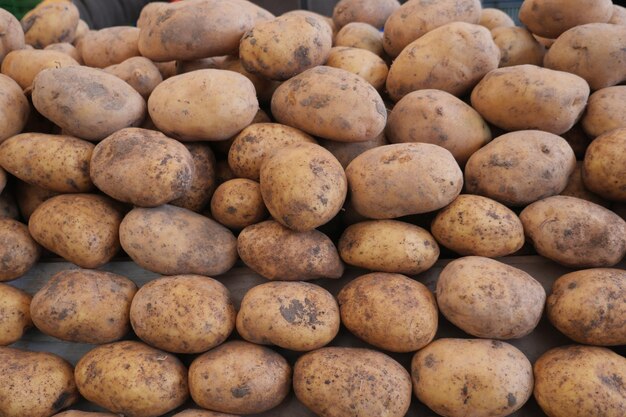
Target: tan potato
<point>389,311</point>
<point>360,35</point>
<point>41,385</point>
<point>444,120</point>
<point>14,108</point>
<point>264,88</point>
<point>29,197</point>
<point>167,69</point>
<point>18,250</point>
<point>50,22</point>
<point>23,65</point>
<point>342,382</point>
<point>201,413</point>
<point>619,15</point>
<point>8,206</point>
<point>75,413</point>
<point>576,187</point>
<point>139,72</point>
<point>490,378</point>
<point>66,48</point>
<point>574,232</point>
<point>87,102</point>
<point>494,18</point>
<point>547,43</point>
<point>238,203</point>
<point>345,152</point>
<point>604,168</point>
<point>517,47</point>
<point>373,12</point>
<point>308,13</point>
<point>15,307</point>
<point>604,111</point>
<point>13,34</point>
<point>292,315</point>
<point>203,181</point>
<point>109,46</point>
<point>81,228</point>
<point>360,62</point>
<point>245,378</point>
<point>147,11</point>
<point>82,28</point>
<point>580,381</point>
<point>215,62</point>
<point>133,379</point>
<point>171,240</point>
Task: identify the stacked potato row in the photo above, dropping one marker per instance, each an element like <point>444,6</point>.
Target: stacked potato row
<point>215,131</point>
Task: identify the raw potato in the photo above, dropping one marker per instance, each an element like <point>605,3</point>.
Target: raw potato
<point>203,181</point>
<point>13,34</point>
<point>362,36</point>
<point>81,30</point>
<point>171,240</point>
<point>8,206</point>
<point>139,72</point>
<point>452,58</point>
<point>490,378</point>
<point>345,152</point>
<point>74,413</point>
<point>50,22</point>
<point>41,385</point>
<point>279,253</point>
<point>389,311</point>
<point>388,246</point>
<point>492,18</point>
<point>604,111</point>
<point>87,102</point>
<point>201,413</point>
<point>407,178</point>
<point>147,11</point>
<point>244,378</point>
<point>521,167</point>
<point>264,88</point>
<point>576,187</point>
<point>23,65</point>
<point>360,62</point>
<point>578,140</point>
<point>209,104</point>
<point>66,48</point>
<point>575,232</point>
<point>619,15</point>
<point>604,168</point>
<point>238,203</point>
<point>308,13</point>
<point>109,46</point>
<point>349,382</point>
<point>54,162</point>
<point>580,381</point>
<point>331,103</point>
<point>373,12</point>
<point>29,197</point>
<point>517,46</point>
<point>133,379</point>
<point>14,108</point>
<point>292,315</point>
<point>15,307</point>
<point>167,69</point>
<point>82,228</point>
<point>18,251</point>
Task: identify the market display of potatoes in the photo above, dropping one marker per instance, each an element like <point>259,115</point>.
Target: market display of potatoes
<point>50,22</point>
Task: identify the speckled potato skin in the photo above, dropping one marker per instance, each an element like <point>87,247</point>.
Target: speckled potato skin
<point>279,253</point>
<point>360,62</point>
<point>18,250</point>
<point>517,46</point>
<point>201,413</point>
<point>139,72</point>
<point>388,246</point>
<point>580,381</point>
<point>23,65</point>
<point>28,197</point>
<point>81,228</point>
<point>203,181</point>
<point>476,225</point>
<point>345,152</point>
<point>172,240</point>
<point>13,34</point>
<point>238,203</point>
<point>14,108</point>
<point>133,379</point>
<point>240,378</point>
<point>75,413</point>
<point>603,111</point>
<point>401,179</point>
<point>331,103</point>
<point>66,48</point>
<point>109,46</point>
<point>54,162</point>
<point>15,319</point>
<point>373,12</point>
<point>292,315</point>
<point>50,22</point>
<point>360,35</point>
<point>604,167</point>
<point>87,102</point>
<point>444,120</point>
<point>350,382</point>
<point>576,187</point>
<point>574,232</point>
<point>389,311</point>
<point>521,167</point>
<point>492,18</point>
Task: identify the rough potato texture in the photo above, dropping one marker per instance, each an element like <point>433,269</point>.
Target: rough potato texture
<point>238,203</point>
<point>360,35</point>
<point>14,108</point>
<point>361,62</point>
<point>18,251</point>
<point>23,65</point>
<point>604,167</point>
<point>576,187</point>
<point>13,34</point>
<point>517,46</point>
<point>109,46</point>
<point>345,152</point>
<point>141,73</point>
<point>50,22</point>
<point>203,181</point>
<point>494,18</point>
<point>604,111</point>
<point>373,12</point>
<point>29,197</point>
<point>15,319</point>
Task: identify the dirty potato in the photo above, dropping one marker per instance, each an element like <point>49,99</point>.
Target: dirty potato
<point>139,72</point>
<point>23,65</point>
<point>15,307</point>
<point>492,18</point>
<point>360,62</point>
<point>203,181</point>
<point>360,35</point>
<point>345,152</point>
<point>517,46</point>
<point>109,46</point>
<point>66,48</point>
<point>604,167</point>
<point>14,108</point>
<point>603,112</point>
<point>18,251</point>
<point>13,34</point>
<point>373,12</point>
<point>29,197</point>
<point>50,22</point>
<point>238,203</point>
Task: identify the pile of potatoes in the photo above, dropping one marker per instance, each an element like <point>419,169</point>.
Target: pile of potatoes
<point>216,135</point>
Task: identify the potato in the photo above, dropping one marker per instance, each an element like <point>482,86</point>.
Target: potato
<point>401,179</point>
<point>517,47</point>
<point>491,378</point>
<point>331,103</point>
<point>75,413</point>
<point>203,181</point>
<point>345,152</point>
<point>494,18</point>
<point>203,105</point>
<point>81,228</point>
<point>50,22</point>
<point>604,168</point>
<point>521,167</point>
<point>133,379</point>
<point>18,251</point>
<point>171,240</point>
<point>13,34</point>
<point>576,187</point>
<point>580,381</point>
<point>41,383</point>
<point>593,52</point>
<point>547,43</point>
<point>619,15</point>
<point>415,18</point>
<point>167,69</point>
<point>215,62</point>
<point>14,108</point>
<point>238,203</point>
<point>8,206</point>
<point>139,72</point>
<point>603,111</point>
<point>360,35</point>
<point>292,315</point>
<point>279,253</point>
<point>15,307</point>
<point>264,88</point>
<point>109,46</point>
<point>578,140</point>
<point>66,48</point>
<point>201,413</point>
<point>550,18</point>
<point>23,65</point>
<point>29,197</point>
<point>350,382</point>
<point>147,12</point>
<point>444,120</point>
<point>308,13</point>
<point>372,12</point>
<point>574,232</point>
<point>82,28</point>
<point>87,102</point>
<point>452,58</point>
<point>244,378</point>
<point>360,62</point>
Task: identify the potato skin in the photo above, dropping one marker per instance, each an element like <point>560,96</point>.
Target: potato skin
<point>66,48</point>
<point>376,385</point>
<point>139,72</point>
<point>579,381</point>
<point>17,249</point>
<point>602,113</point>
<point>23,65</point>
<point>14,108</point>
<point>373,12</point>
<point>201,413</point>
<point>121,377</point>
<point>75,413</point>
<point>29,197</point>
<point>203,181</point>
<point>13,34</point>
<point>619,15</point>
<point>50,22</point>
<point>109,46</point>
<point>15,306</point>
<point>360,35</point>
<point>604,167</point>
<point>238,203</point>
<point>245,378</point>
<point>360,62</point>
<point>576,187</point>
<point>492,18</point>
<point>345,152</point>
<point>517,46</point>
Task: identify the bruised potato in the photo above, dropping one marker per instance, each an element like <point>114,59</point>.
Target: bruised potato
<point>14,108</point>
<point>109,46</point>
<point>50,22</point>
<point>15,307</point>
<point>360,35</point>
<point>604,167</point>
<point>13,34</point>
<point>139,72</point>
<point>603,112</point>
<point>23,65</point>
<point>18,251</point>
<point>238,203</point>
<point>360,62</point>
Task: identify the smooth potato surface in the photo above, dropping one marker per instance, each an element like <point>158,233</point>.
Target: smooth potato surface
<point>14,108</point>
<point>604,167</point>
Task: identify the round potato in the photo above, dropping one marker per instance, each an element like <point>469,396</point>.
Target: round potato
<point>14,108</point>
<point>373,12</point>
<point>139,72</point>
<point>492,18</point>
<point>604,168</point>
<point>360,35</point>
<point>345,152</point>
<point>203,181</point>
<point>66,48</point>
<point>15,307</point>
<point>13,34</point>
<point>50,22</point>
<point>517,46</point>
<point>29,197</point>
<point>576,187</point>
<point>18,251</point>
<point>23,65</point>
<point>238,203</point>
<point>603,111</point>
<point>109,46</point>
<point>360,62</point>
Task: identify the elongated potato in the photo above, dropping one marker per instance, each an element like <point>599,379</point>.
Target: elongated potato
<point>604,167</point>
<point>139,72</point>
<point>492,18</point>
<point>68,49</point>
<point>373,12</point>
<point>203,181</point>
<point>345,152</point>
<point>517,46</point>
<point>18,250</point>
<point>13,34</point>
<point>23,65</point>
<point>15,307</point>
<point>109,46</point>
<point>360,62</point>
<point>50,22</point>
<point>360,35</point>
<point>14,108</point>
<point>603,112</point>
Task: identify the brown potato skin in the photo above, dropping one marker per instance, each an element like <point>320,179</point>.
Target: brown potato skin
<point>602,113</point>
<point>14,108</point>
<point>50,22</point>
<point>121,377</point>
<point>23,65</point>
<point>245,378</point>
<point>139,72</point>
<point>109,46</point>
<point>75,413</point>
<point>619,15</point>
<point>29,197</point>
<point>576,187</point>
<point>238,203</point>
<point>517,46</point>
<point>604,167</point>
<point>18,249</point>
<point>15,307</point>
<point>360,62</point>
<point>579,381</point>
<point>492,18</point>
<point>203,181</point>
<point>264,87</point>
<point>66,48</point>
<point>360,35</point>
<point>389,311</point>
<point>351,382</point>
<point>373,12</point>
<point>13,34</point>
<point>201,413</point>
<point>345,152</point>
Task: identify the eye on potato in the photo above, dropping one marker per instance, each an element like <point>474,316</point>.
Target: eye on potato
<point>109,46</point>
<point>18,249</point>
<point>203,181</point>
<point>139,72</point>
<point>238,203</point>
<point>360,35</point>
<point>604,167</point>
<point>14,108</point>
<point>23,65</point>
<point>50,22</point>
<point>373,12</point>
<point>13,34</point>
<point>15,307</point>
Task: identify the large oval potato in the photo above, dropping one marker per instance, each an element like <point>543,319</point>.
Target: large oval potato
<point>109,46</point>
<point>15,307</point>
<point>361,62</point>
<point>133,379</point>
<point>341,381</point>
<point>50,22</point>
<point>13,34</point>
<point>18,251</point>
<point>14,108</point>
<point>141,73</point>
<point>203,181</point>
<point>238,203</point>
<point>360,35</point>
<point>492,18</point>
<point>604,167</point>
<point>373,12</point>
<point>604,111</point>
<point>517,46</point>
<point>23,65</point>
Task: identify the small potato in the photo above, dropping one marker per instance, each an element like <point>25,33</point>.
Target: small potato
<point>574,232</point>
<point>580,381</point>
<point>360,62</point>
<point>345,152</point>
<point>14,108</point>
<point>619,15</point>
<point>41,385</point>
<point>167,69</point>
<point>292,315</point>
<point>238,203</point>
<point>50,22</point>
<point>139,72</point>
<point>389,311</point>
<point>84,306</point>
<point>490,378</point>
<point>203,181</point>
<point>576,187</point>
<point>133,379</point>
<point>18,251</point>
<point>605,111</point>
<point>109,46</point>
<point>82,228</point>
<point>279,253</point>
<point>373,12</point>
<point>244,378</point>
<point>171,240</point>
<point>29,197</point>
<point>517,47</point>
<point>66,48</point>
<point>15,307</point>
<point>350,382</point>
<point>604,168</point>
<point>201,413</point>
<point>13,34</point>
<point>492,18</point>
<point>23,65</point>
<point>360,35</point>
